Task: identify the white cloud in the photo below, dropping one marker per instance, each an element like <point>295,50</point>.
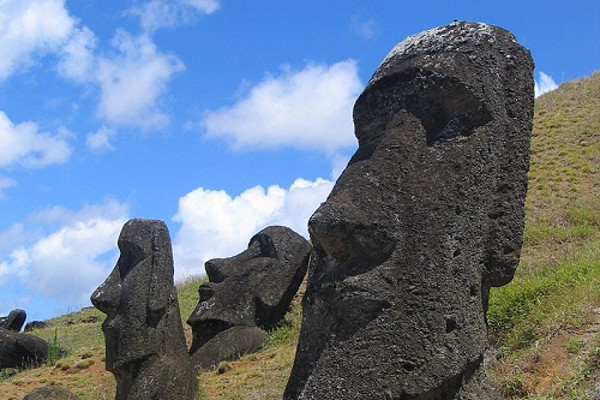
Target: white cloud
<point>29,28</point>
<point>100,140</point>
<point>306,109</point>
<point>25,145</point>
<point>132,81</point>
<point>158,14</point>
<point>66,264</point>
<point>545,84</point>
<point>214,224</point>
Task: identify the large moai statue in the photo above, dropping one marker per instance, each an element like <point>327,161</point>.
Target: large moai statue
<point>427,216</point>
<point>247,295</point>
<point>145,344</point>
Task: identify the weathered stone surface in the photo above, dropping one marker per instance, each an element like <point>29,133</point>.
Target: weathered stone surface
<point>427,216</point>
<point>229,344</point>
<point>145,344</point>
<point>19,350</point>
<point>14,320</point>
<point>251,291</point>
<point>51,393</point>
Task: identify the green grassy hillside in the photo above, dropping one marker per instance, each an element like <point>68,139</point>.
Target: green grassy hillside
<point>544,326</point>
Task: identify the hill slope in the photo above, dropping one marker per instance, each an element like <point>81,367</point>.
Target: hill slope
<point>544,326</point>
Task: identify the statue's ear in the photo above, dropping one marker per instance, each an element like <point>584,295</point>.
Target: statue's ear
<point>161,275</point>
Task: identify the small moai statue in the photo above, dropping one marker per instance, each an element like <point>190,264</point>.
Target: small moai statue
<point>145,344</point>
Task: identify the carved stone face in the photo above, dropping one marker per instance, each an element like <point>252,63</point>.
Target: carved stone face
<point>227,299</point>
<point>440,131</point>
<point>253,288</point>
<point>134,297</point>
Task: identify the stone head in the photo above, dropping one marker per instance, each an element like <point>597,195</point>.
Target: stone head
<point>253,288</point>
<point>441,125</point>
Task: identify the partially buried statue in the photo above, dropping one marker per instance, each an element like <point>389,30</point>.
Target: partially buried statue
<point>427,216</point>
<point>145,343</point>
<point>247,294</point>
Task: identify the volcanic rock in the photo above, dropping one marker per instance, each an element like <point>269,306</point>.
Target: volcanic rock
<point>30,326</point>
<point>51,393</point>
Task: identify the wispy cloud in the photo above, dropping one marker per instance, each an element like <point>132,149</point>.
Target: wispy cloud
<point>544,84</point>
<point>365,28</point>
<point>306,109</point>
<point>215,224</point>
<point>24,144</point>
<point>29,28</point>
<point>100,141</point>
<point>77,58</point>
<point>158,14</point>
<point>5,183</point>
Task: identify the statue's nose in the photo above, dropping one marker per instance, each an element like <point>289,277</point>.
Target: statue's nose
<point>106,297</point>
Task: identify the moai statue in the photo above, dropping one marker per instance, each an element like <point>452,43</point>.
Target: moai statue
<point>427,216</point>
<point>247,294</point>
<point>145,343</point>
<point>14,320</point>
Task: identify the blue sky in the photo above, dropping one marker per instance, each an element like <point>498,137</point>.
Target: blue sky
<point>218,117</point>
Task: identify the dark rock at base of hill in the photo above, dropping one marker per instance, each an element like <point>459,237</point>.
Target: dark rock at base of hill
<point>144,339</point>
<point>33,325</point>
<point>20,350</point>
<point>51,393</point>
<point>228,345</point>
<point>425,219</point>
<point>14,320</point>
<point>252,290</point>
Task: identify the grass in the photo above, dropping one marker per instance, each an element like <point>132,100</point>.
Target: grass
<point>534,306</point>
<point>546,322</point>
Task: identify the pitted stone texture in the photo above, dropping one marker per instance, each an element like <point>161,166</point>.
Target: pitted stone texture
<point>19,350</point>
<point>51,393</point>
<point>145,344</point>
<point>229,344</point>
<point>252,290</point>
<point>14,320</point>
<point>427,216</point>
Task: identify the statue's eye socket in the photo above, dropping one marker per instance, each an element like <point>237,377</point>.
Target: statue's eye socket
<point>446,107</point>
<point>127,264</point>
